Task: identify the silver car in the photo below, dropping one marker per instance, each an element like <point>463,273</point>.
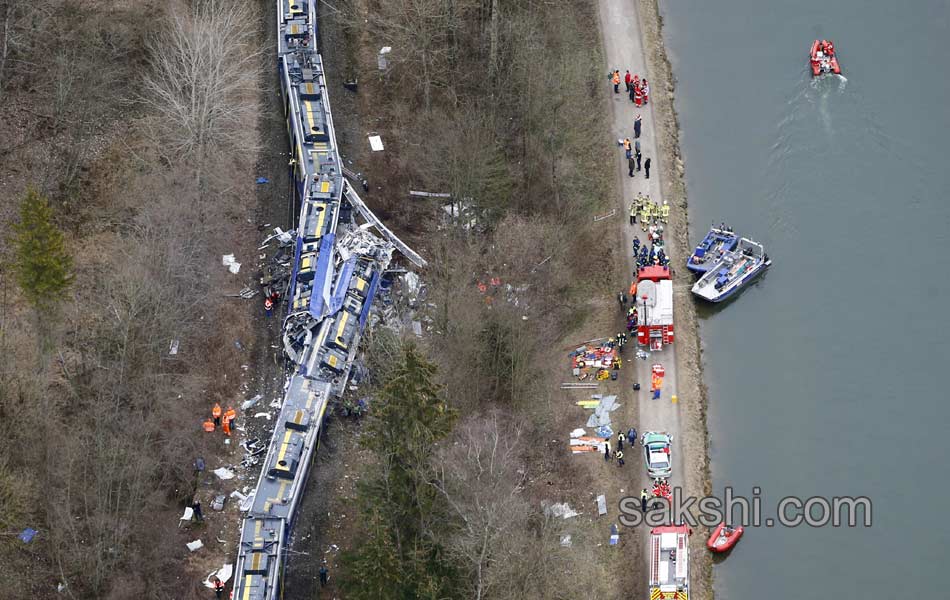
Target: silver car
<point>657,453</point>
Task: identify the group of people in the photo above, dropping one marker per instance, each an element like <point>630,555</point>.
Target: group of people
<point>638,89</point>
<point>220,420</point>
<point>630,437</point>
<point>654,255</point>
<point>650,212</point>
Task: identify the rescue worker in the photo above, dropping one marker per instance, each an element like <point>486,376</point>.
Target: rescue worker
<point>229,417</point>
<point>218,586</point>
<point>324,575</point>
<point>208,426</point>
<point>616,81</point>
<point>633,214</point>
<point>665,212</point>
<point>606,451</point>
<point>196,506</point>
<point>637,95</point>
<point>268,306</point>
<point>627,79</point>
<point>645,90</point>
<point>216,413</point>
<point>620,441</point>
<point>619,458</point>
<point>644,496</point>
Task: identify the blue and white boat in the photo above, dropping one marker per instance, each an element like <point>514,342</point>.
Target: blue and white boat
<point>717,242</point>
<point>733,271</point>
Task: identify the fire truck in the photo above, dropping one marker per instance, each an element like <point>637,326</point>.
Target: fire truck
<point>654,302</point>
<point>669,563</point>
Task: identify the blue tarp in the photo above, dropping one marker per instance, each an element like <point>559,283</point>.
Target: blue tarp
<point>26,536</point>
<point>373,286</point>
<point>323,277</point>
<point>342,285</point>
<point>261,180</point>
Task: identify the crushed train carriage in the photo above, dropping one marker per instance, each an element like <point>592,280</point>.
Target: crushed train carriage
<point>336,272</point>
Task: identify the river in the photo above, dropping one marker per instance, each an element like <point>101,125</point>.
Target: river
<point>827,377</point>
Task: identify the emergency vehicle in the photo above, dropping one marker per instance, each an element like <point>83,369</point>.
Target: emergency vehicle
<point>654,302</point>
<point>669,563</point>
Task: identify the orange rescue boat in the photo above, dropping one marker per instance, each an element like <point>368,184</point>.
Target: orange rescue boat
<point>823,58</point>
<point>724,537</point>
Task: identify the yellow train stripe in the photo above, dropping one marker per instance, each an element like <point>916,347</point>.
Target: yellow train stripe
<point>322,212</point>
<point>247,588</point>
<point>283,450</point>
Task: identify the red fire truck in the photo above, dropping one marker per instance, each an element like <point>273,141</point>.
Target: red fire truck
<point>654,301</point>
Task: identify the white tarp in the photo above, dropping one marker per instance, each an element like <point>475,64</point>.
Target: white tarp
<point>224,573</point>
<point>223,473</point>
<point>228,261</point>
<point>195,545</point>
<point>376,143</point>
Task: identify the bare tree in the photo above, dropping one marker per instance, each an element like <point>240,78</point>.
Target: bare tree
<point>480,477</point>
<point>202,85</point>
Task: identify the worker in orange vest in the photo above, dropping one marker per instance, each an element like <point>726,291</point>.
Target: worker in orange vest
<point>209,425</point>
<point>229,416</point>
<point>616,81</point>
<point>216,414</point>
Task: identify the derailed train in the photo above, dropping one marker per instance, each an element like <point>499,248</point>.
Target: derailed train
<point>336,272</point>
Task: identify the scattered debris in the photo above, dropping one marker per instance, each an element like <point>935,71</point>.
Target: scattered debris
<point>224,574</point>
<point>26,536</point>
<point>578,386</point>
<point>173,348</point>
<point>195,545</point>
<point>264,415</point>
<point>376,143</point>
<point>236,494</point>
<point>614,535</point>
<point>224,473</point>
<point>430,194</point>
<point>262,180</point>
<point>578,432</point>
<point>247,503</point>
<point>188,515</point>
<point>228,261</point>
<point>417,328</point>
<point>381,59</point>
<point>585,444</point>
<point>607,216</point>
<point>218,502</point>
<point>566,540</point>
<point>246,293</point>
<point>249,403</point>
<point>561,509</point>
<point>602,504</point>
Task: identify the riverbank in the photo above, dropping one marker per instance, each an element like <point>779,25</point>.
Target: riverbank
<point>632,37</point>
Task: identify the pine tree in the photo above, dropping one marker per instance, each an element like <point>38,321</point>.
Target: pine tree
<point>42,265</point>
<point>399,558</point>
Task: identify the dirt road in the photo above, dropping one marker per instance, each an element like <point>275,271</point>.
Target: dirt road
<point>631,37</point>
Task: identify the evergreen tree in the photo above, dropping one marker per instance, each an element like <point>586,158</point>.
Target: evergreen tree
<point>399,558</point>
<point>42,265</point>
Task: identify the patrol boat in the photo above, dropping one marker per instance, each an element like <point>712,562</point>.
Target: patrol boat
<point>717,242</point>
<point>735,270</point>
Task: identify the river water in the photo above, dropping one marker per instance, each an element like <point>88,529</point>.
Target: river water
<point>828,376</point>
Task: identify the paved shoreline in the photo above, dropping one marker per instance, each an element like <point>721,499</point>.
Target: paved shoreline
<point>632,39</point>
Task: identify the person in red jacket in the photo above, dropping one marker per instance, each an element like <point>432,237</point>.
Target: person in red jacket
<point>627,79</point>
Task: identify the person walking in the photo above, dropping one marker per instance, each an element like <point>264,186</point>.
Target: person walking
<point>631,165</point>
<point>637,124</point>
<point>632,436</point>
<point>606,451</point>
<point>619,458</point>
<point>626,148</point>
<point>643,500</point>
<point>627,79</point>
<point>616,81</point>
<point>646,167</point>
<point>324,575</point>
<point>638,156</point>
